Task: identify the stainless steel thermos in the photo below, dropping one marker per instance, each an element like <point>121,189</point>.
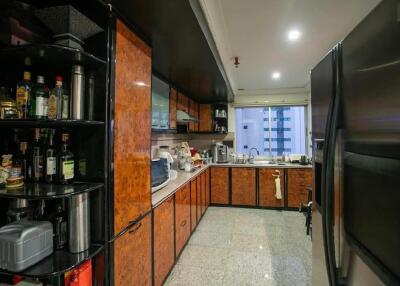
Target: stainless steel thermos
<point>79,223</point>
<point>78,92</point>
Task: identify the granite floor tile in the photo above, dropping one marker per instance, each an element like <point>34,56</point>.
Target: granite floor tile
<point>242,246</point>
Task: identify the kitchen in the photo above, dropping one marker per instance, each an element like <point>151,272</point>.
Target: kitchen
<point>199,142</point>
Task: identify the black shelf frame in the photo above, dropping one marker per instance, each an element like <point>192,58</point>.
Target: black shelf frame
<point>43,191</point>
<point>59,262</point>
<point>56,54</point>
<point>15,123</point>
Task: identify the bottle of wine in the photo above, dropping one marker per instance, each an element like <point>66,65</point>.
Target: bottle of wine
<point>22,161</point>
<point>50,159</point>
<point>37,157</point>
<point>55,100</point>
<point>42,96</point>
<point>66,161</point>
<point>23,95</point>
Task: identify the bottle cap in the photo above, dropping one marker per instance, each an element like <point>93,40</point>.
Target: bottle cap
<point>27,75</point>
<point>40,79</point>
<point>59,78</point>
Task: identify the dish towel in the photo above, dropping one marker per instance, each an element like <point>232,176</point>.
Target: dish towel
<point>278,194</point>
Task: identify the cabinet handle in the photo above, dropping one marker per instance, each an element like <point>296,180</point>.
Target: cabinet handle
<point>183,223</point>
<point>134,229</point>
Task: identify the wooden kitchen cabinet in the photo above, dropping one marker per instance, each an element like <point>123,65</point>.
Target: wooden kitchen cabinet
<point>132,255</point>
<point>183,102</point>
<point>297,183</point>
<point>203,192</point>
<point>205,118</point>
<point>207,172</point>
<point>219,185</point>
<point>244,186</point>
<point>182,218</point>
<point>198,183</point>
<point>163,231</point>
<point>193,204</point>
<point>131,193</point>
<point>173,97</point>
<point>193,112</point>
<point>267,188</point>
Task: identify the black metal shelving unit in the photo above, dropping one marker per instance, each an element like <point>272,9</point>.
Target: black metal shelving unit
<point>87,136</point>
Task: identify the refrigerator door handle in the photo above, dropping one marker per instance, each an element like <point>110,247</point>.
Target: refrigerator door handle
<point>328,162</point>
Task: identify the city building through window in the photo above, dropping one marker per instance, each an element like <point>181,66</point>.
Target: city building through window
<point>274,131</point>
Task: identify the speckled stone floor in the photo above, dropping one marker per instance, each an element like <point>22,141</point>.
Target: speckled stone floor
<point>237,246</point>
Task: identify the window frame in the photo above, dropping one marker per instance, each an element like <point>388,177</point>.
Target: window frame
<point>270,155</point>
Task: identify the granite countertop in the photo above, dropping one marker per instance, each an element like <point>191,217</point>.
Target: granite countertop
<point>185,177</point>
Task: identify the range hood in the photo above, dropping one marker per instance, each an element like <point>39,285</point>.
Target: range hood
<point>182,117</point>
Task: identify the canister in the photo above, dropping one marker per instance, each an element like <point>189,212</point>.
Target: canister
<point>79,223</point>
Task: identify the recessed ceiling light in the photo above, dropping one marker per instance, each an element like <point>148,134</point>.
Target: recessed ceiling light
<point>294,35</point>
<point>276,75</point>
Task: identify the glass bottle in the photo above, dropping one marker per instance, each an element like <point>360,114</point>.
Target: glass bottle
<point>60,227</point>
<point>51,159</point>
<point>23,95</point>
<point>41,97</point>
<point>22,160</point>
<point>37,157</point>
<point>66,161</point>
<point>65,105</point>
<point>54,110</point>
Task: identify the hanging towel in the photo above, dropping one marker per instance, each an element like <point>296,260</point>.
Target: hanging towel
<point>278,194</point>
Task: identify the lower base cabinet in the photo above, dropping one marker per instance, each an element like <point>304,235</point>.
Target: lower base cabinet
<point>244,190</point>
<point>203,192</point>
<point>164,256</point>
<point>132,255</point>
<point>220,185</point>
<point>297,183</point>
<point>182,218</point>
<point>207,174</point>
<point>267,187</point>
<point>193,205</point>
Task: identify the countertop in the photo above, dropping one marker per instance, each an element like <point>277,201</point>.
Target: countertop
<point>185,177</point>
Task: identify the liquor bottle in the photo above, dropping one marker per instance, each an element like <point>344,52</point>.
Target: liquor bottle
<point>41,97</point>
<point>66,161</point>
<point>50,159</point>
<point>54,110</point>
<point>60,227</point>
<point>22,161</point>
<point>37,157</point>
<point>23,95</point>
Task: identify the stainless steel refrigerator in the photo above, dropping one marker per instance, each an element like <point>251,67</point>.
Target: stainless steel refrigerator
<point>355,96</point>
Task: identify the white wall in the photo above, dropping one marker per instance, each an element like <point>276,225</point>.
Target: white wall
<point>293,96</point>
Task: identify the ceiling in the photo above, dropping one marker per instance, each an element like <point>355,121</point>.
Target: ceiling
<point>256,31</point>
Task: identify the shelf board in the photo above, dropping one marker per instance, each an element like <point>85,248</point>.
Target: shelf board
<point>49,123</point>
<point>57,263</point>
<point>43,191</point>
<point>50,53</point>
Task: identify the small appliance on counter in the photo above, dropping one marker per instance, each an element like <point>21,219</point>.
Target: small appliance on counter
<point>220,153</point>
<point>161,172</point>
<point>25,243</point>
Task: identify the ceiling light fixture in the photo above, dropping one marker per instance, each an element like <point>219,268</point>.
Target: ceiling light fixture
<point>294,35</point>
<point>276,75</point>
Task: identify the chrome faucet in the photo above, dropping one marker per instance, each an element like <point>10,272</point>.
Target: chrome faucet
<point>251,156</point>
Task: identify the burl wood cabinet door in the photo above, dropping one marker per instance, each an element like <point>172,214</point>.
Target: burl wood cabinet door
<point>173,94</point>
<point>244,186</point>
<point>193,111</point>
<point>132,255</point>
<point>182,218</point>
<point>198,182</point>
<point>203,192</point>
<point>220,185</point>
<point>267,188</point>
<point>193,205</point>
<point>132,112</point>
<point>207,172</point>
<point>298,182</point>
<point>163,230</point>
<point>205,118</point>
<point>183,102</point>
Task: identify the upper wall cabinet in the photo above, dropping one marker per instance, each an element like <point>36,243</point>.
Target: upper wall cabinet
<point>173,97</point>
<point>160,95</point>
<point>183,102</point>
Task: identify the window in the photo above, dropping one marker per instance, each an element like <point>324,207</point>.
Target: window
<point>274,131</point>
